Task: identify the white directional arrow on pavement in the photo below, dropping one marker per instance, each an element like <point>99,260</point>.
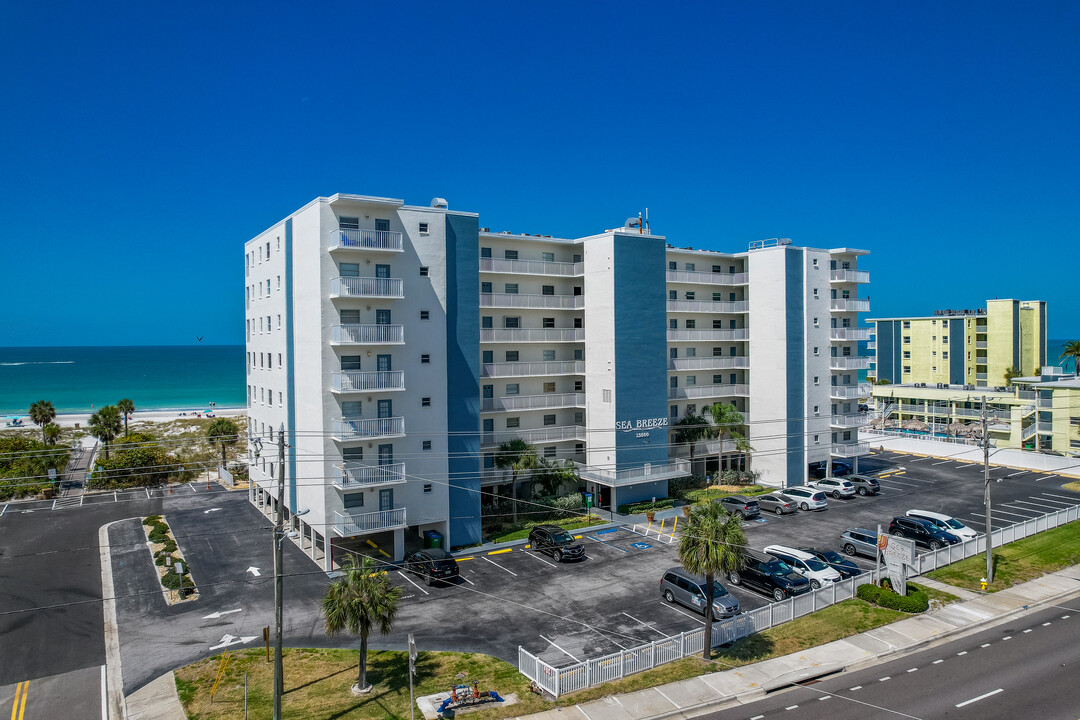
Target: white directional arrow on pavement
<point>207,512</point>
<point>219,613</point>
<point>254,571</point>
<point>227,640</point>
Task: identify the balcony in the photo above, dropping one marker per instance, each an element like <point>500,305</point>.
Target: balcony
<point>368,381</point>
<point>534,369</point>
<point>357,476</point>
<point>871,345</point>
<point>691,392</point>
<point>850,305</point>
<point>708,335</point>
<point>844,392</point>
<point>849,276</point>
<point>980,376</point>
<point>367,334</point>
<point>534,402</point>
<point>537,435</point>
<point>850,421</point>
<point>707,278</point>
<point>707,306</point>
<point>1045,403</point>
<point>849,333</point>
<point>374,240</point>
<point>980,344</point>
<point>703,448</point>
<point>367,287</point>
<point>849,363</point>
<point>348,524</point>
<point>354,428</point>
<point>519,335</point>
<point>850,449</point>
<point>633,476</point>
<point>540,302</point>
<point>1044,427</point>
<point>532,267</point>
<point>709,363</point>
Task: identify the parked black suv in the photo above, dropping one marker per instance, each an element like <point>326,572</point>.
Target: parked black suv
<point>769,575</point>
<point>835,560</point>
<point>740,505</point>
<point>923,532</point>
<point>556,542</point>
<point>864,484</point>
<point>432,564</point>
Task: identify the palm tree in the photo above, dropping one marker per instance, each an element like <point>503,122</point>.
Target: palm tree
<point>1072,350</point>
<point>691,430</point>
<point>105,425</point>
<point>51,432</point>
<point>42,413</point>
<point>712,544</point>
<point>551,475</point>
<point>359,601</point>
<point>224,431</point>
<point>519,456</point>
<point>727,417</point>
<point>126,407</point>
<point>1009,374</point>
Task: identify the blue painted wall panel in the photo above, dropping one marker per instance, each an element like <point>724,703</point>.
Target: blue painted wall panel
<point>956,351</point>
<point>796,366</point>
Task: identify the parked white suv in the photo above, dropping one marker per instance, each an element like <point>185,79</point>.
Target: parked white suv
<point>808,498</point>
<point>946,523</point>
<point>810,567</point>
<point>837,487</point>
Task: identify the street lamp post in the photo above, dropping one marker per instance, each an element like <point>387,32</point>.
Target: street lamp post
<point>986,496</point>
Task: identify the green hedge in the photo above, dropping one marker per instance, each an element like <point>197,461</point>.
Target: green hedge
<point>171,581</point>
<point>159,534</point>
<point>916,600</point>
<point>643,507</point>
<point>163,559</point>
<point>152,520</point>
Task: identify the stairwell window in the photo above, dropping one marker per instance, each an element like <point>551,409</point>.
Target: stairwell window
<point>549,419</point>
<point>607,396</point>
<point>510,254</point>
<point>425,402</point>
<point>425,359</point>
<point>426,445</point>
<point>423,228</point>
<point>513,422</point>
<point>423,271</point>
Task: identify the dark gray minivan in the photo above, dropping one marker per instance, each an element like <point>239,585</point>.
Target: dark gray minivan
<point>679,586</point>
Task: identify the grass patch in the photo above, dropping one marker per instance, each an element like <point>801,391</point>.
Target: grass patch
<point>714,492</point>
<point>938,598</point>
<point>1074,486</point>
<point>1019,561</point>
<point>572,524</point>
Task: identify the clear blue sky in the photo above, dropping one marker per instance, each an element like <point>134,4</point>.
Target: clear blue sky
<point>144,144</point>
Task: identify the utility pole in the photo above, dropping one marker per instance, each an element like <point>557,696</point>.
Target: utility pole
<point>279,530</point>
<point>986,496</point>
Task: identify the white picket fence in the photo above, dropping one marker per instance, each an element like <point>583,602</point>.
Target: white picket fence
<point>226,476</point>
<point>560,680</point>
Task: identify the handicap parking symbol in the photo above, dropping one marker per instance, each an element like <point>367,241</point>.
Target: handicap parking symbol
<point>641,545</point>
<point>761,520</point>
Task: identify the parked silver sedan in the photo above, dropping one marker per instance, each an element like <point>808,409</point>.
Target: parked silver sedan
<point>778,503</point>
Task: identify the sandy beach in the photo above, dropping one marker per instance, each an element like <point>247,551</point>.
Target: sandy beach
<point>71,420</point>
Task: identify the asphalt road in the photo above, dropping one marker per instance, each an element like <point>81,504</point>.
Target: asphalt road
<point>1024,667</point>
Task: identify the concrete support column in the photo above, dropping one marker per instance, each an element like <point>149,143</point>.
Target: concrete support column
<point>614,501</point>
<point>328,553</point>
<point>399,545</point>
<point>311,539</point>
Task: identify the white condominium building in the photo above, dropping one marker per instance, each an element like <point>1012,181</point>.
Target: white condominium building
<point>398,346</point>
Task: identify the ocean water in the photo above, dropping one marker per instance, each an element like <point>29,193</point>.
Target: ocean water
<point>155,378</point>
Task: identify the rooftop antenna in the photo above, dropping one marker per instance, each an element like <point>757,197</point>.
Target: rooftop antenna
<point>647,219</point>
<point>640,227</point>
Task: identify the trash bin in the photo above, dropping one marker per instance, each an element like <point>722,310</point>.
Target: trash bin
<point>432,539</point>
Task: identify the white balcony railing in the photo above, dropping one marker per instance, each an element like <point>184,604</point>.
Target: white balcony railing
<point>709,362</point>
<point>516,335</point>
<point>849,363</point>
<point>367,334</point>
<point>1045,403</point>
<point>842,392</point>
<point>373,380</point>
<point>707,306</point>
<point>367,287</point>
<point>1029,431</point>
<point>353,239</point>
<point>534,402</point>
<point>849,305</point>
<point>691,392</point>
<point>534,369</point>
<point>980,344</point>
<point>849,276</point>
<point>708,335</point>
<point>850,421</point>
<point>980,376</point>
<point>543,302</point>
<point>368,428</point>
<point>632,476</point>
<point>537,435</point>
<point>707,278</point>
<point>355,476</point>
<point>1044,426</point>
<point>532,267</point>
<point>348,524</point>
<point>849,333</point>
<point>850,449</point>
<point>872,345</point>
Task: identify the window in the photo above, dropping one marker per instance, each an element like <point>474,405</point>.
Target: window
<point>383,363</point>
<point>280,401</point>
<point>510,254</point>
<point>549,451</point>
<point>269,361</point>
<point>847,351</point>
<point>731,297</point>
<point>607,396</point>
<point>733,378</point>
<point>691,409</point>
<point>579,417</point>
<point>579,354</point>
<point>579,323</point>
<point>673,381</point>
<point>691,324</point>
<point>816,322</point>
<point>691,352</point>
<point>718,324</point>
<point>717,351</point>
<point>718,379</point>
<point>349,223</point>
<point>944,354</point>
<point>547,289</point>
<point>577,258</point>
<point>547,257</point>
<point>423,228</point>
<point>673,295</point>
<point>815,379</point>
<point>510,288</point>
<point>944,339</point>
<point>815,351</point>
<point>382,225</point>
<point>907,369</point>
<point>549,419</point>
<point>547,322</point>
<point>671,265</point>
<point>279,359</point>
<point>513,389</point>
<point>425,445</point>
<point>267,323</point>
<point>425,402</point>
<point>427,486</point>
<point>717,268</point>
<point>690,267</point>
<point>425,359</point>
<point>485,252</point>
<point>907,340</point>
<point>691,379</point>
<point>485,321</point>
<point>511,322</point>
<point>673,324</point>
<point>512,355</point>
<point>425,314</point>
<point>513,422</point>
<point>816,441</point>
<point>278,282</point>
<point>423,271</point>
<point>673,411</point>
<point>907,354</point>
<point>549,355</point>
<point>689,294</point>
<point>485,288</point>
<point>814,262</point>
<point>278,322</point>
<point>673,353</point>
<point>816,412</point>
<point>815,293</point>
<point>906,325</point>
<point>382,317</point>
<point>549,387</point>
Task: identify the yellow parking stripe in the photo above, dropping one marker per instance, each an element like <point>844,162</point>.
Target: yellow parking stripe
<point>384,553</point>
<point>19,706</point>
<point>372,544</point>
<point>465,558</point>
<point>500,552</point>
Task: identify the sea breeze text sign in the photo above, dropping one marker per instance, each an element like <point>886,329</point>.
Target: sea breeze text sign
<point>641,424</point>
<point>897,549</point>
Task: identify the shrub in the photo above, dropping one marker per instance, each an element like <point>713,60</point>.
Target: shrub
<point>868,592</point>
<point>152,520</point>
<point>643,507</point>
<point>169,545</point>
<point>569,503</point>
<point>678,487</point>
<point>916,600</point>
<point>171,581</point>
<point>163,559</point>
<point>158,534</point>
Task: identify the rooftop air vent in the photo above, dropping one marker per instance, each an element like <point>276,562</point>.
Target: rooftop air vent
<point>439,203</point>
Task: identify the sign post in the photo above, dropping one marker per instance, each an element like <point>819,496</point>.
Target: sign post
<point>588,505</point>
<point>412,671</point>
<point>898,553</point>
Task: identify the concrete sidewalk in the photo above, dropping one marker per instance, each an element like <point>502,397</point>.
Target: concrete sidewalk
<point>707,693</point>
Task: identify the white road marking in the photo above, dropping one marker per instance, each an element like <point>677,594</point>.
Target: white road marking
<point>559,649</point>
<point>537,557</point>
<point>999,511</point>
<point>1045,477</point>
<point>981,697</point>
<point>1064,617</point>
<point>962,652</point>
<point>502,568</point>
<point>937,662</point>
<point>409,580</point>
<point>228,640</point>
<point>791,707</point>
<point>1063,503</point>
<point>104,695</point>
<point>985,645</point>
<point>1007,637</point>
<point>857,687</point>
<point>887,677</point>
<point>757,717</point>
<point>467,580</point>
<point>1045,624</point>
<point>1063,497</point>
<point>254,571</point>
<point>219,613</point>
<point>912,670</point>
<point>642,622</point>
<point>1028,630</point>
<point>1041,506</point>
<point>191,487</point>
<point>672,607</point>
<point>207,512</point>
<point>1011,506</point>
<point>824,697</point>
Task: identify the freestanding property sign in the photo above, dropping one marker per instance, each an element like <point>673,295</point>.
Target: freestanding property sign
<point>898,553</point>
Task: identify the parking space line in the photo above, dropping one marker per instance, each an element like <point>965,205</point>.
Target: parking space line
<point>1056,502</point>
<point>642,622</point>
<point>408,580</point>
<point>501,567</point>
<point>467,580</point>
<point>1046,477</point>
<point>967,521</point>
<point>1021,509</point>
<point>537,557</point>
<point>605,542</point>
<point>942,462</point>
<point>462,559</point>
<point>1038,505</point>
<point>1064,497</point>
<point>672,607</point>
<point>559,648</point>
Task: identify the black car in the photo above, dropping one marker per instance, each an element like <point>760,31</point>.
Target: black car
<point>432,564</point>
<point>740,505</point>
<point>923,532</point>
<point>556,542</point>
<point>864,484</point>
<point>769,575</point>
<point>835,560</point>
